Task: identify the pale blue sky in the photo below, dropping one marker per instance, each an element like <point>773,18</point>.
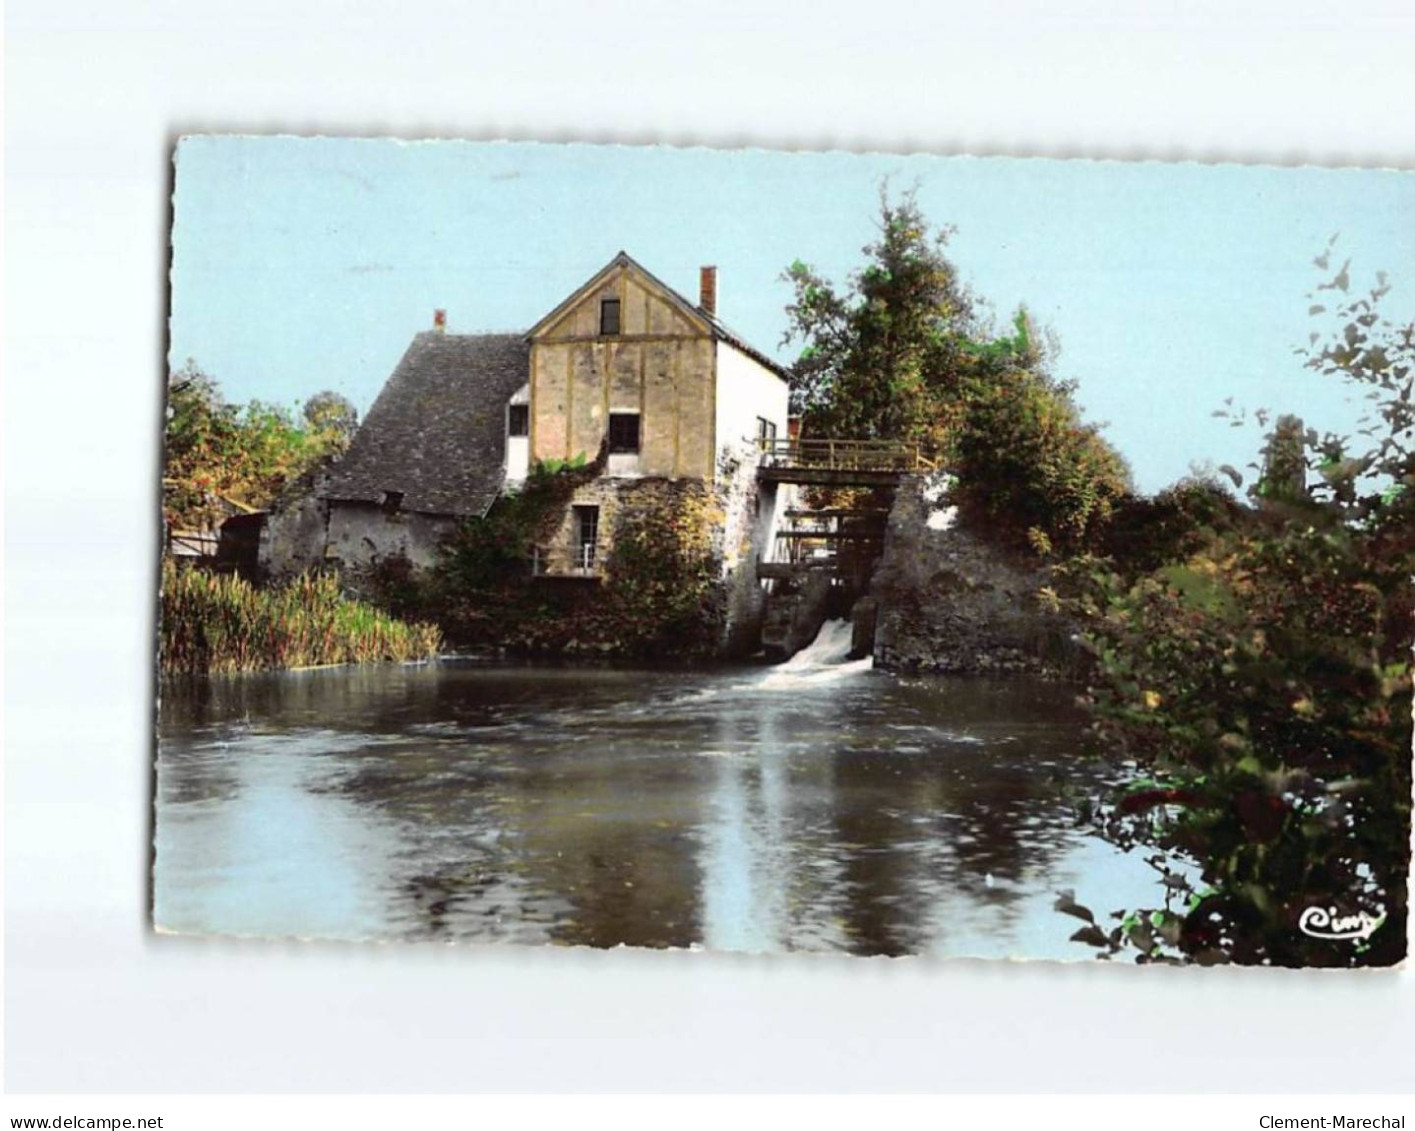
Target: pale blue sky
<point>308,264</point>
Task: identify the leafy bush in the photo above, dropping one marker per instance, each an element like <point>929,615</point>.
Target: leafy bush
<point>219,623</point>
<point>1253,684</point>
<point>1261,677</point>
<point>1146,532</point>
<point>1026,462</point>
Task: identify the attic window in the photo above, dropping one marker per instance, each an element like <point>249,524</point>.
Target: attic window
<point>609,316</point>
<point>623,433</point>
<point>518,420</point>
<point>391,501</point>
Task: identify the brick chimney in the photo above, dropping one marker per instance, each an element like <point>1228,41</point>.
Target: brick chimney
<point>439,321</point>
<point>707,290</point>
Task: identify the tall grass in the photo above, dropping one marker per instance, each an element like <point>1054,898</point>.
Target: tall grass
<point>220,623</point>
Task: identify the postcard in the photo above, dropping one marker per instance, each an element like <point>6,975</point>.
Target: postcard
<point>777,552</point>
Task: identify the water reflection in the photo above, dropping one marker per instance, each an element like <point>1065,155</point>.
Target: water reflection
<point>738,809</point>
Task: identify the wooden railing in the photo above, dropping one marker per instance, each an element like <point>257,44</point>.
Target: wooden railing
<point>193,543</point>
<point>846,455</point>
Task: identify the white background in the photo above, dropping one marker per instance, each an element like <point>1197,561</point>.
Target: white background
<point>95,94</point>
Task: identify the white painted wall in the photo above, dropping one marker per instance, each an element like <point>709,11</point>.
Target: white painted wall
<point>518,448</point>
<point>518,458</point>
<point>623,465</point>
<point>746,389</point>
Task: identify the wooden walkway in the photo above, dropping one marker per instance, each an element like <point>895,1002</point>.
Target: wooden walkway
<point>841,463</point>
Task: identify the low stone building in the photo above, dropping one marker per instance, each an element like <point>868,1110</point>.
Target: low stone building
<point>431,452</point>
<point>624,367</point>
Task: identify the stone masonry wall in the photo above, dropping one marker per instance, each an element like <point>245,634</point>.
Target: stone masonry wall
<point>308,532</point>
<point>292,540</point>
<point>950,602</point>
<point>744,520</point>
<point>360,535</point>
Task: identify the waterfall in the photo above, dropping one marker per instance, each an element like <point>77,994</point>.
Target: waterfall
<point>822,660</point>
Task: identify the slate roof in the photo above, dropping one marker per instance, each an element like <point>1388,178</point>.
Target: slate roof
<point>437,431</point>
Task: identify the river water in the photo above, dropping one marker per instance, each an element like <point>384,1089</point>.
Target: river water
<point>815,806</point>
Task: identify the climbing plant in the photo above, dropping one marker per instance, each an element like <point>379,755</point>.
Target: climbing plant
<point>494,551</point>
<point>663,571</point>
<point>659,594</point>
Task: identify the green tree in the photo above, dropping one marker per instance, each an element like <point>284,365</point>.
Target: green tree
<point>873,353</point>
<point>1027,464</point>
<point>332,420</point>
<point>901,353</point>
<point>215,451</point>
<point>202,452</point>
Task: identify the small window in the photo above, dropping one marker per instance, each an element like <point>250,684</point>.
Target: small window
<point>766,433</point>
<point>391,502</point>
<point>518,420</point>
<point>586,536</point>
<point>623,433</point>
<point>609,316</point>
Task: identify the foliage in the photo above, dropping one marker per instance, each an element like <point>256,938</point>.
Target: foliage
<point>872,354</point>
<point>1146,532</point>
<point>1261,677</point>
<point>1025,462</point>
<point>248,453</point>
<point>902,353</point>
<point>658,589</point>
<point>494,551</point>
<point>663,572</point>
<point>1253,681</point>
<point>332,419</point>
<point>1377,357</point>
<point>219,623</point>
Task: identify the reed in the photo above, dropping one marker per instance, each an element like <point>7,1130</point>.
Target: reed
<point>216,623</point>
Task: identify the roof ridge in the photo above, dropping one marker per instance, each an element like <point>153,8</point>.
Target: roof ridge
<point>476,334</point>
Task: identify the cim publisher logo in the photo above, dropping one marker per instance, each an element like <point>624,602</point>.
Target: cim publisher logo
<point>1330,923</point>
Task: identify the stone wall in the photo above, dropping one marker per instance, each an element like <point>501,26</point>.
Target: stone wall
<point>948,601</point>
<point>360,535</point>
<point>744,516</point>
<point>306,532</point>
<point>293,538</point>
